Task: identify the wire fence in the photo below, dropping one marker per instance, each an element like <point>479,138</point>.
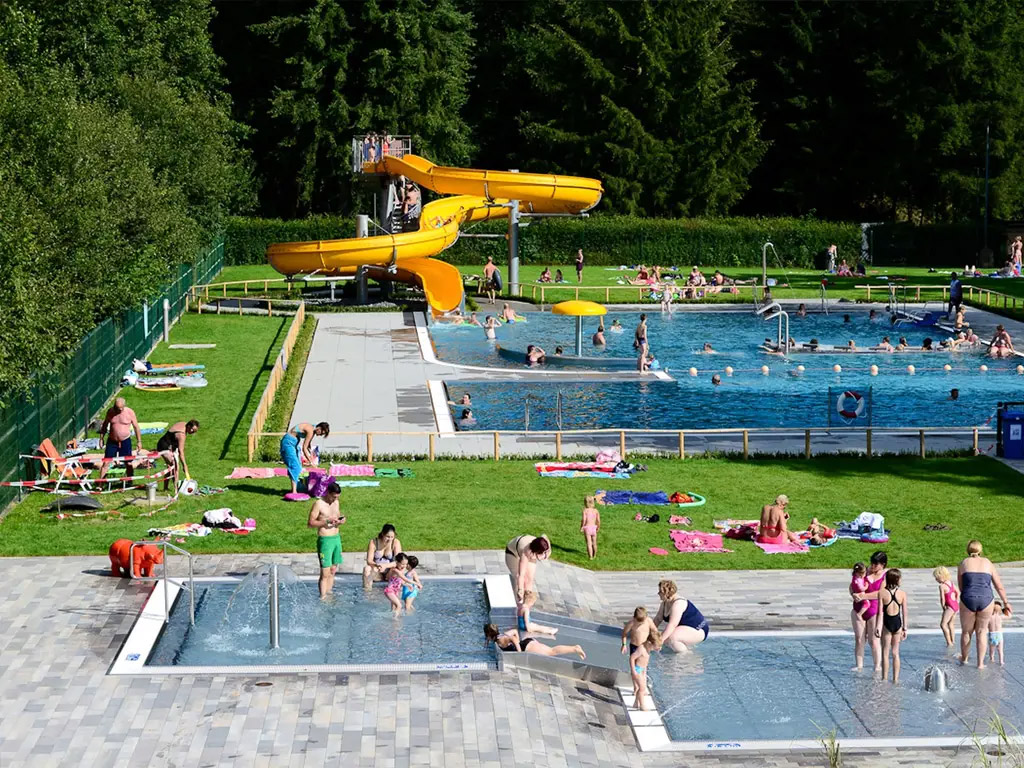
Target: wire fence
<point>61,403</point>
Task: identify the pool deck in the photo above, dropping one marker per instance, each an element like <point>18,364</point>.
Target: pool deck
<point>376,372</point>
<point>65,620</point>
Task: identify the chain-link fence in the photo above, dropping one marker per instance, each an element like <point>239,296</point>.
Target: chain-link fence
<point>61,403</point>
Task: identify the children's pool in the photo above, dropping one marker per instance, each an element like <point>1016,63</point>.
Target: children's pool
<point>746,398</point>
<point>352,629</point>
<point>782,688</point>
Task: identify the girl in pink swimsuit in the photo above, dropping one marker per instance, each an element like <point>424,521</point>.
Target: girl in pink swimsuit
<point>875,577</point>
<point>396,578</point>
<point>590,525</point>
<point>949,601</point>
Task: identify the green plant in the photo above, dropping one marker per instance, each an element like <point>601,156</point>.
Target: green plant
<point>1002,741</point>
<point>247,238</point>
<point>830,744</point>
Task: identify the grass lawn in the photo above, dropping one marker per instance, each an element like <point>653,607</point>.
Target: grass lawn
<point>482,504</point>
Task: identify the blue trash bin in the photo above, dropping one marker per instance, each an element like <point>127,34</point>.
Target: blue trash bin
<point>1013,435</point>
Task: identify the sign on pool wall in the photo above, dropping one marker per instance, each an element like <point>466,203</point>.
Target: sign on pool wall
<point>849,407</point>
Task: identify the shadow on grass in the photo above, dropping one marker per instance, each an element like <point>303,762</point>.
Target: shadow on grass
<point>268,359</point>
<point>263,490</point>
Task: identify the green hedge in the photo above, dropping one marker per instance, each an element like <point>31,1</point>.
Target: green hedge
<point>605,240</point>
<point>248,238</point>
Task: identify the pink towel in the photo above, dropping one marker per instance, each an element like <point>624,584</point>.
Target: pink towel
<point>697,541</point>
<point>679,520</point>
<point>352,470</point>
<point>789,548</point>
<point>257,473</point>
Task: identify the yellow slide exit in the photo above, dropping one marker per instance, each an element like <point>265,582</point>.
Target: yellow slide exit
<point>477,196</point>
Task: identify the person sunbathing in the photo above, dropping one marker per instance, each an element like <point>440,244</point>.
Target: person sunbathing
<point>545,276</point>
<point>772,528</point>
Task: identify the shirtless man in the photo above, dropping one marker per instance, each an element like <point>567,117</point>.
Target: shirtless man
<point>773,526</point>
<point>489,270</point>
<point>640,334</point>
<point>117,428</point>
<point>325,517</point>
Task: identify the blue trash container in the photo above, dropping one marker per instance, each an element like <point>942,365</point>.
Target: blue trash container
<point>1013,435</point>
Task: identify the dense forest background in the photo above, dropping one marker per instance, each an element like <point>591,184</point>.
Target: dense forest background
<point>843,110</point>
<point>131,129</point>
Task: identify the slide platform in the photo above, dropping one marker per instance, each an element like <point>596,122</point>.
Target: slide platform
<point>475,196</point>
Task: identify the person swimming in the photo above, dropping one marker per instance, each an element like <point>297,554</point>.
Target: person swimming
<point>708,349</point>
<point>616,327</point>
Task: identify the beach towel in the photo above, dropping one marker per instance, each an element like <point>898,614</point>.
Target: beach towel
<point>393,473</point>
<point>585,473</point>
<point>648,498</point>
<point>679,520</point>
<point>789,548</point>
<point>826,543</point>
<point>351,470</point>
<point>182,529</point>
<point>152,427</point>
<point>724,525</point>
<point>589,466</point>
<point>697,541</point>
<point>256,473</point>
<point>358,483</point>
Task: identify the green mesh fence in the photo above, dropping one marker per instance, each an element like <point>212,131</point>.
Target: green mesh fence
<point>62,403</point>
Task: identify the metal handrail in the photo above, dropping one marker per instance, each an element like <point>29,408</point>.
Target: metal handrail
<point>824,299</point>
<point>191,576</point>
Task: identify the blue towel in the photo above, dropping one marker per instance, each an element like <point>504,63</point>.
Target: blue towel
<point>646,498</point>
<point>290,456</point>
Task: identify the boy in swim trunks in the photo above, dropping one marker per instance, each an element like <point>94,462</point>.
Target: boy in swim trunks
<point>325,518</point>
<point>411,593</point>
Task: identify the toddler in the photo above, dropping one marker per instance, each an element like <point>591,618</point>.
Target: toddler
<point>523,616</point>
<point>396,579</point>
<point>949,601</point>
<point>411,593</point>
<point>995,632</point>
<point>859,585</point>
<point>590,525</point>
<point>639,636</point>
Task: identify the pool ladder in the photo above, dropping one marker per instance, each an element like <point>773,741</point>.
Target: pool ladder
<point>191,588</point>
<point>558,410</point>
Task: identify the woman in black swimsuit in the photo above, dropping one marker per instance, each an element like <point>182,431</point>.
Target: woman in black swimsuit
<point>171,447</point>
<point>893,605</point>
<point>509,642</point>
<point>521,557</point>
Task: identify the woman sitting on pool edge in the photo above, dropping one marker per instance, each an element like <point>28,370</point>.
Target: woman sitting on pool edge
<point>509,641</point>
<point>685,625</point>
<point>380,555</point>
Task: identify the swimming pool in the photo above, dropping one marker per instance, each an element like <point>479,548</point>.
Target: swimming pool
<point>353,631</point>
<point>784,398</point>
<point>784,687</point>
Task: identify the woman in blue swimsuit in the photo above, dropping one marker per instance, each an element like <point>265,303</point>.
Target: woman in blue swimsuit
<point>977,577</point>
<point>685,625</point>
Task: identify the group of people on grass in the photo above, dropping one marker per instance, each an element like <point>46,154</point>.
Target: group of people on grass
<point>880,615</point>
<point>116,430</point>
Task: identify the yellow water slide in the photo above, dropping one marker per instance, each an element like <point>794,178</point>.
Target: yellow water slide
<point>477,196</point>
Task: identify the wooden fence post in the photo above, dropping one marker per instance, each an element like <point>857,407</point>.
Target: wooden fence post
<point>975,441</point>
<point>558,446</point>
<point>369,447</point>
<point>867,435</point>
<point>807,443</point>
<point>430,446</point>
<point>682,445</point>
<point>577,293</point>
<point>869,292</point>
<point>607,294</point>
<point>497,450</point>
<point>921,437</point>
<point>746,444</point>
<point>622,443</point>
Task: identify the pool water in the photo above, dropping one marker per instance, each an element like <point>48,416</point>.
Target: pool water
<point>784,398</point>
<point>354,628</point>
<point>782,688</point>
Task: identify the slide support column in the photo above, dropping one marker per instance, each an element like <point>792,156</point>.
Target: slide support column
<point>513,248</point>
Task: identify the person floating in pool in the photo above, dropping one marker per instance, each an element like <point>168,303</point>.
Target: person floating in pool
<point>954,394</point>
<point>1001,344</point>
<point>616,327</point>
<point>708,349</point>
<point>325,517</point>
<point>509,641</point>
<point>295,448</point>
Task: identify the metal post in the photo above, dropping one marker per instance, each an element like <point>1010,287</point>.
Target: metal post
<point>275,618</point>
<point>151,494</point>
<point>191,592</point>
<point>362,225</point>
<point>362,289</point>
<point>579,337</point>
<point>167,598</point>
<point>167,321</point>
<point>513,248</point>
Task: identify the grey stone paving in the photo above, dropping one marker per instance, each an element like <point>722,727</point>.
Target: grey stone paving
<point>64,620</point>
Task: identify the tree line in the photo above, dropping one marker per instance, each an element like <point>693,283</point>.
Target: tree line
<point>852,111</point>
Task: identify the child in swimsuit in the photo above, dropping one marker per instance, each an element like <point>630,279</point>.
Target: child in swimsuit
<point>523,616</point>
<point>995,632</point>
<point>590,525</point>
<point>892,604</point>
<point>411,593</point>
<point>638,635</point>
<point>859,584</point>
<point>949,601</point>
<point>396,578</point>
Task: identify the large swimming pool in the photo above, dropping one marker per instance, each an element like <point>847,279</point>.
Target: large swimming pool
<point>785,397</point>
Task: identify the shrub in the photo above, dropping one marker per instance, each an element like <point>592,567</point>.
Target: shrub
<point>248,238</point>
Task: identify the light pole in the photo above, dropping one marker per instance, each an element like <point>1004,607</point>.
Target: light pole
<point>985,228</point>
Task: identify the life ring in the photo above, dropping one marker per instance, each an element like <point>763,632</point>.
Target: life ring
<point>858,407</point>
